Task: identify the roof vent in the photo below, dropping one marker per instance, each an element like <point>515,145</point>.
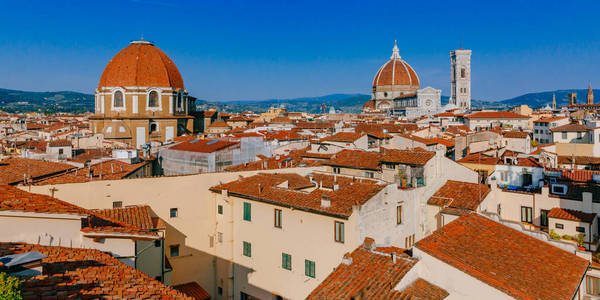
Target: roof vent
<point>325,201</point>
<point>347,260</point>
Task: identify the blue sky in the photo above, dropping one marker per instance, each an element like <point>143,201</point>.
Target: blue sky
<point>230,50</point>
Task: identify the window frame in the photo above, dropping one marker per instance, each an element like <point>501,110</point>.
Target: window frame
<point>399,214</point>
<point>338,232</point>
<point>277,214</point>
<point>310,268</point>
<point>286,261</point>
<point>176,247</point>
<point>528,217</point>
<point>219,209</point>
<point>171,210</point>
<point>580,229</point>
<point>247,249</point>
<point>117,204</point>
<point>559,226</point>
<point>247,212</point>
<point>544,215</point>
<point>158,106</point>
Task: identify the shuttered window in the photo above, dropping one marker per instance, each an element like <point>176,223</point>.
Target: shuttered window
<point>247,211</point>
<point>339,231</point>
<point>247,249</point>
<point>592,285</point>
<point>286,261</point>
<point>309,268</point>
<point>277,218</point>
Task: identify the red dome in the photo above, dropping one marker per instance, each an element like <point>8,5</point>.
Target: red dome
<point>141,64</point>
<point>396,72</point>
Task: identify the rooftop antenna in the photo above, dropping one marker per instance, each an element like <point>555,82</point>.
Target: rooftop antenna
<point>142,36</point>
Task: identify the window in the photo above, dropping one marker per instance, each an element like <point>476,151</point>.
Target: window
<point>220,237</point>
<point>544,217</point>
<point>247,249</point>
<point>462,73</point>
<point>579,135</point>
<point>117,204</point>
<point>503,176</point>
<point>336,170</point>
<point>179,101</point>
<point>174,250</point>
<point>244,296</point>
<point>286,261</point>
<point>564,135</point>
<point>156,243</point>
<point>592,285</point>
<point>220,291</point>
<point>220,209</point>
<point>526,214</point>
<point>339,231</point>
<point>369,174</point>
<point>153,127</point>
<point>173,212</point>
<point>309,268</point>
<point>247,211</point>
<point>580,229</point>
<point>399,214</point>
<point>559,189</point>
<point>390,165</point>
<point>61,151</point>
<point>118,99</point>
<point>277,217</point>
<point>153,99</point>
<point>559,226</point>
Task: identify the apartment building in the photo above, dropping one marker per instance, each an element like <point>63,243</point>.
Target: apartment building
<point>490,119</point>
<point>575,139</point>
<point>542,128</point>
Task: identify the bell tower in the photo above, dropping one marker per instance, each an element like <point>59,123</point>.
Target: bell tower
<point>460,89</point>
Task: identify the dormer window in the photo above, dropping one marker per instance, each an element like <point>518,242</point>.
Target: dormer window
<point>118,100</point>
<point>153,99</point>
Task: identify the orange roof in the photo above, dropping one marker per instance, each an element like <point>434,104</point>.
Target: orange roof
<point>478,158</point>
<point>193,290</point>
<point>578,175</point>
<point>495,254</point>
<point>459,194</point>
<point>572,215</point>
<point>548,120</point>
<point>373,274</point>
<point>356,159</point>
<point>263,187</point>
<point>137,215</point>
<point>515,134</point>
<point>141,64</point>
<point>573,127</point>
<point>396,72</point>
<point>13,169</point>
<point>410,157</point>
<point>495,115</point>
<point>219,124</point>
<point>60,143</point>
<point>204,146</point>
<point>106,170</point>
<point>345,137</point>
<point>75,273</point>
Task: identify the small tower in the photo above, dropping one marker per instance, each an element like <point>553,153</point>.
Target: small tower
<point>460,89</point>
<point>553,101</point>
<point>572,98</point>
<point>590,95</point>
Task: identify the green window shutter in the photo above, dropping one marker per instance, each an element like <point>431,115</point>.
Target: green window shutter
<point>309,268</point>
<point>247,212</point>
<point>247,249</point>
<point>342,232</point>
<point>286,261</point>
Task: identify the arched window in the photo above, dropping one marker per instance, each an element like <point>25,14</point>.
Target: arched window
<point>118,99</point>
<point>179,101</point>
<point>153,99</point>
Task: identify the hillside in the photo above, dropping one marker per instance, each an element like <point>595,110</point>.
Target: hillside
<point>540,99</point>
<point>74,102</point>
<point>61,101</point>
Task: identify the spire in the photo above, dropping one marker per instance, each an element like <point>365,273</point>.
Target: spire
<point>590,95</point>
<point>553,100</point>
<point>395,51</point>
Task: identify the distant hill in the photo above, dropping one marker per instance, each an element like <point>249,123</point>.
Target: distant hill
<point>74,102</point>
<point>540,99</point>
<point>61,101</point>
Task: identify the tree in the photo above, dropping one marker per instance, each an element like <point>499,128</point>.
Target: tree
<point>10,287</point>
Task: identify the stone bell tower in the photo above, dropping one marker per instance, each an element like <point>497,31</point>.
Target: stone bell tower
<point>460,91</point>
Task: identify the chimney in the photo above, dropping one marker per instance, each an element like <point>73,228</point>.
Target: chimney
<point>259,189</point>
<point>394,255</point>
<point>112,168</point>
<point>369,243</point>
<point>325,201</point>
<point>347,259</point>
<point>336,186</point>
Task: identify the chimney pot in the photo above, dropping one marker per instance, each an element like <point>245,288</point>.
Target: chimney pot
<point>325,201</point>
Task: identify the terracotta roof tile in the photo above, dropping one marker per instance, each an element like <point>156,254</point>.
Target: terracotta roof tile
<point>75,273</point>
<point>573,127</point>
<point>193,290</point>
<point>410,157</point>
<point>515,134</point>
<point>459,194</point>
<point>495,254</point>
<point>495,115</point>
<point>478,158</point>
<point>264,187</point>
<point>344,137</point>
<point>106,170</point>
<point>571,214</point>
<point>356,159</point>
<point>13,170</point>
<point>138,215</point>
